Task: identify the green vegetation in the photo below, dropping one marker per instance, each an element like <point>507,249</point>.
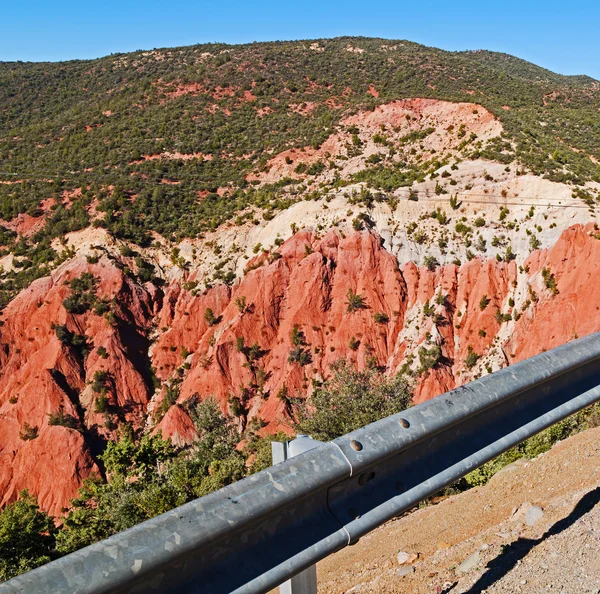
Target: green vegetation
<point>381,318</point>
<point>429,358</point>
<point>354,302</point>
<point>299,353</point>
<point>472,358</point>
<point>147,476</point>
<point>351,399</point>
<point>534,446</point>
<point>60,417</point>
<point>549,281</point>
<point>27,537</point>
<point>81,132</point>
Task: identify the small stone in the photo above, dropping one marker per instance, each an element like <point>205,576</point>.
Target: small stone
<point>407,558</point>
<point>533,514</point>
<point>523,582</point>
<point>471,562</point>
<point>406,570</point>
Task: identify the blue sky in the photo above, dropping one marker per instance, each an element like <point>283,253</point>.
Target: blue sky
<point>561,36</point>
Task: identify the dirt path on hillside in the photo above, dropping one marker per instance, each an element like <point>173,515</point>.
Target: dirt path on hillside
<point>535,527</point>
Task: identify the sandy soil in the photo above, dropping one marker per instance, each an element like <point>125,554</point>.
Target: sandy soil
<point>535,527</point>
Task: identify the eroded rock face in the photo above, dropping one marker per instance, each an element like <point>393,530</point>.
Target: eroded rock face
<point>346,295</point>
<point>42,375</point>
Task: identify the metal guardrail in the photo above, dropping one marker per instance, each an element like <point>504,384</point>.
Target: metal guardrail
<point>253,535</point>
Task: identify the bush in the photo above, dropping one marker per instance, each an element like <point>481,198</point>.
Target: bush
<point>63,419</point>
<point>71,339</point>
<point>472,358</point>
<point>101,378</point>
<point>429,358</point>
<point>102,404</point>
<point>28,432</point>
<point>27,537</point>
<point>501,318</point>
<point>354,302</point>
<point>351,399</point>
<point>299,354</point>
<point>549,281</point>
<point>381,318</point>
<point>102,352</point>
<point>430,263</point>
<point>209,317</point>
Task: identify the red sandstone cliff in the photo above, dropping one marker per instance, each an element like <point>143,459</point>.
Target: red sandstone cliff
<point>244,351</point>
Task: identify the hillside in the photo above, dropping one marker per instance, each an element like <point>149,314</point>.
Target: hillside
<point>231,221</point>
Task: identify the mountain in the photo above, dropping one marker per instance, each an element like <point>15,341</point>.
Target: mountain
<point>232,220</point>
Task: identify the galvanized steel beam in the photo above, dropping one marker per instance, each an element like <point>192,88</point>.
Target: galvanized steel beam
<point>253,535</point>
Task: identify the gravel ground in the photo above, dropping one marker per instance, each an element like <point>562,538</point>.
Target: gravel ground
<point>535,527</point>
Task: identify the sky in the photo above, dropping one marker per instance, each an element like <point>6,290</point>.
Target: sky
<point>559,35</point>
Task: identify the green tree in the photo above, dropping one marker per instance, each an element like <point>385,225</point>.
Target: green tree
<point>26,537</point>
<point>351,399</point>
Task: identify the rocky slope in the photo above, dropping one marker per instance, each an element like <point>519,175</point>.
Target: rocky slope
<point>413,235</point>
<point>401,324</point>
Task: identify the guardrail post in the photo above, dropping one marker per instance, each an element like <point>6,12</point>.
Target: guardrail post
<point>306,581</point>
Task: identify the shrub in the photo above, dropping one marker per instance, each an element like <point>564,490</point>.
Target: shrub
<point>549,281</point>
<point>501,318</point>
<point>428,309</point>
<point>441,299</point>
<point>354,344</point>
<point>27,537</point>
<point>430,262</point>
<point>239,341</point>
<point>240,303</point>
<point>429,358</point>
<point>102,352</point>
<point>461,228</point>
<point>28,432</point>
<point>381,318</point>
<point>300,355</point>
<point>297,336</point>
<point>472,358</point>
<point>351,399</point>
<point>354,302</point>
<point>100,381</point>
<point>63,419</point>
<point>209,317</point>
<point>171,396</point>
<point>71,339</point>
<point>484,302</point>
<point>102,403</point>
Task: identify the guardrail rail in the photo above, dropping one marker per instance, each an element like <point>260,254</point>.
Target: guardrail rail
<point>253,535</point>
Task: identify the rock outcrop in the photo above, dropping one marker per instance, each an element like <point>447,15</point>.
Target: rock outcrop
<point>300,307</point>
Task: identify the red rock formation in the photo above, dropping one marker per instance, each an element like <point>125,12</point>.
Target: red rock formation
<point>41,376</point>
<point>245,352</point>
<point>574,311</point>
<point>177,426</point>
